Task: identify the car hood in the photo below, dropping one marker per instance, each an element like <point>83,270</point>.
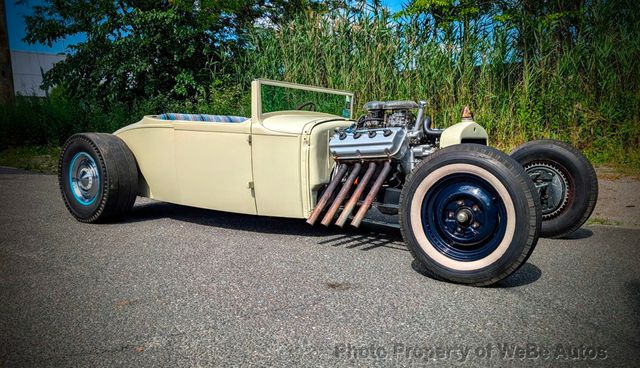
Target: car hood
<point>296,122</point>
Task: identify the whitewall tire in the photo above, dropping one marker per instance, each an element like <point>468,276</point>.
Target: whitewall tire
<point>470,214</point>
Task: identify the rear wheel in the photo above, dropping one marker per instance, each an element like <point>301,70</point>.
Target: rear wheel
<point>98,176</point>
<point>469,214</point>
<point>566,183</point>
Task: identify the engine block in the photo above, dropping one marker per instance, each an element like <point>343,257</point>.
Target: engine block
<point>378,152</point>
<point>381,143</point>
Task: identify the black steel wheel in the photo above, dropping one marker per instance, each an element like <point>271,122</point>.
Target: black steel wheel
<point>469,214</point>
<point>566,183</point>
<point>98,176</point>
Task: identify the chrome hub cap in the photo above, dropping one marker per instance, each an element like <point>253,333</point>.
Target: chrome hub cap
<point>463,216</point>
<point>84,178</point>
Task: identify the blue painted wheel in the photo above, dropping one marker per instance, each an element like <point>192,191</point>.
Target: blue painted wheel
<point>469,214</point>
<point>84,178</point>
<point>98,176</point>
<point>464,217</point>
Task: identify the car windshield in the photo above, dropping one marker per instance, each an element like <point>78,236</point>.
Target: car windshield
<point>279,96</point>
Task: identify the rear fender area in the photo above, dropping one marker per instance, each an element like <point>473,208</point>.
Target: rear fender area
<point>152,144</point>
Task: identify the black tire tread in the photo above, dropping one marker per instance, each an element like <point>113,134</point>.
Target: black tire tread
<point>120,173</point>
<point>523,179</point>
<point>583,164</point>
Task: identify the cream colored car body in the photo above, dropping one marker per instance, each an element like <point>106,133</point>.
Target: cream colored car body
<point>271,164</point>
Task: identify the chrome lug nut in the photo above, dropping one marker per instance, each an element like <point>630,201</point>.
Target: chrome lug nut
<point>462,217</point>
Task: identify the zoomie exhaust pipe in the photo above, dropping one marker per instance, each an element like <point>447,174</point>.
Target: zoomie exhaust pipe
<point>346,211</point>
<point>368,201</point>
<point>342,169</point>
<point>355,197</point>
<point>342,194</point>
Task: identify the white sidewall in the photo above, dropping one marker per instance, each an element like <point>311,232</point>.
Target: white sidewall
<point>416,222</point>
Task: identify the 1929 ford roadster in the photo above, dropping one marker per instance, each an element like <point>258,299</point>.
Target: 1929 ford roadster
<point>468,212</point>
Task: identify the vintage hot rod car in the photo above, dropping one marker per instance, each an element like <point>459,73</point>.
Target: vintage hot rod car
<point>468,212</point>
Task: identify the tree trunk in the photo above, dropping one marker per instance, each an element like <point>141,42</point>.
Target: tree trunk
<point>6,74</point>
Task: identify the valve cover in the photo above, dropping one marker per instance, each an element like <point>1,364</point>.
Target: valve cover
<point>369,144</point>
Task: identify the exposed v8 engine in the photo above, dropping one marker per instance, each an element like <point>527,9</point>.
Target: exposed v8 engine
<point>388,140</point>
<point>389,130</point>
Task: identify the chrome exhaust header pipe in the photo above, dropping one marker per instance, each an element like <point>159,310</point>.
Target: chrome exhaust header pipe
<point>346,211</point>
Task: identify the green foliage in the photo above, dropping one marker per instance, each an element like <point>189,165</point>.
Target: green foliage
<point>140,49</point>
<point>448,11</point>
<point>585,92</point>
<point>42,159</point>
<point>38,121</point>
<point>559,69</point>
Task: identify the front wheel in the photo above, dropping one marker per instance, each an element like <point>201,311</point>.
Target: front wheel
<point>469,214</point>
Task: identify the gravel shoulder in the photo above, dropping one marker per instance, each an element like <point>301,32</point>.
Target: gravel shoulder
<point>618,200</point>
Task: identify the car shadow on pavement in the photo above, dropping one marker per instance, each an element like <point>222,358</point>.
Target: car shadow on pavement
<point>527,274</point>
<point>579,234</point>
<point>263,224</point>
<point>367,237</point>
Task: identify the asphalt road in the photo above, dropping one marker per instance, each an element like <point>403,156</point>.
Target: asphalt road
<point>177,286</point>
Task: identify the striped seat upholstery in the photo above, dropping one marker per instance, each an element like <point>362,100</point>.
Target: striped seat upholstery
<point>203,117</point>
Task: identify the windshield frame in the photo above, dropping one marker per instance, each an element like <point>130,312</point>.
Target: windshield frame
<point>256,94</point>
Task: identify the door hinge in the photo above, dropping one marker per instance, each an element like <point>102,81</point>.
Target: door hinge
<point>249,139</point>
<point>250,185</point>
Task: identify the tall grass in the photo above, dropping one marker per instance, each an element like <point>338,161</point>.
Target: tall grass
<point>586,93</point>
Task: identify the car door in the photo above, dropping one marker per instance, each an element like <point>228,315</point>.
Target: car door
<point>213,165</point>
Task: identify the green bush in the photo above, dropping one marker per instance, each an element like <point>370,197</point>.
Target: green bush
<point>38,121</point>
<point>585,92</point>
<point>50,121</point>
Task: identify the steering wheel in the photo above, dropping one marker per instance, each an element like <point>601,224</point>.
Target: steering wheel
<point>310,106</point>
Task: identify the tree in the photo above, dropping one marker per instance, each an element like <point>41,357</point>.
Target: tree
<point>6,74</point>
<point>139,49</point>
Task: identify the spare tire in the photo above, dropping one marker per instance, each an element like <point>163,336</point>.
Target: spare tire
<point>566,182</point>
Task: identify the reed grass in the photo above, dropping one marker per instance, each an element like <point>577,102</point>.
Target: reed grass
<point>586,93</point>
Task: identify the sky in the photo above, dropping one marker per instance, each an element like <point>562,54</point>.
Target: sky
<point>16,27</point>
